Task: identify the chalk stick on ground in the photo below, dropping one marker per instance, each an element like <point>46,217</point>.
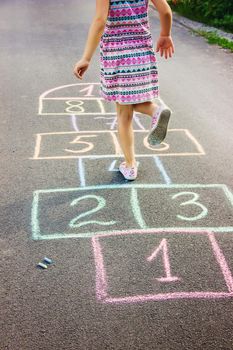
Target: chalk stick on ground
<point>47,260</point>
<point>42,266</point>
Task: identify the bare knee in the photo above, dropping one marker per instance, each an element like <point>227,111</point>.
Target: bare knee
<point>124,113</point>
<point>137,107</point>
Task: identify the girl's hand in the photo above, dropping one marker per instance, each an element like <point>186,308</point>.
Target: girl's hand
<point>165,46</point>
<point>80,68</point>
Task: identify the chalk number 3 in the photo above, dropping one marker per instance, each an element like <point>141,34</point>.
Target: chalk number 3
<point>193,201</point>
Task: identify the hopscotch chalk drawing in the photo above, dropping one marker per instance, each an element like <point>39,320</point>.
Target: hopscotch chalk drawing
<point>184,206</point>
<point>64,100</point>
<point>117,217</point>
<point>91,144</point>
<point>187,285</point>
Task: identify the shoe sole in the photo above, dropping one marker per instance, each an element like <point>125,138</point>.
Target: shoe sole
<point>159,132</point>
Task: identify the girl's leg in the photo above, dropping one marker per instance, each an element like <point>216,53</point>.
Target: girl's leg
<point>147,108</point>
<point>126,134</point>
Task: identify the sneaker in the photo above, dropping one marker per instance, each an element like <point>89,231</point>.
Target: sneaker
<point>129,173</point>
<point>159,125</point>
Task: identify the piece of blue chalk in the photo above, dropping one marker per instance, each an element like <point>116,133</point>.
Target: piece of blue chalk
<point>42,266</point>
<point>47,260</point>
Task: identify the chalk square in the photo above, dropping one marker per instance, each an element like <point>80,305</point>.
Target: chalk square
<point>75,106</point>
<point>109,122</point>
<point>104,275</point>
<point>92,144</point>
<point>179,142</point>
<point>108,171</point>
<point>72,91</point>
<point>81,212</point>
<point>189,206</point>
<point>68,106</point>
<point>38,233</point>
<point>76,144</point>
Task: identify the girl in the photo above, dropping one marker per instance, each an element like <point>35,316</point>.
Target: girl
<point>129,75</point>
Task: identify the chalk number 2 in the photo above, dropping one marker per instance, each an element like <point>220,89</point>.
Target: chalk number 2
<point>192,201</point>
<point>101,203</point>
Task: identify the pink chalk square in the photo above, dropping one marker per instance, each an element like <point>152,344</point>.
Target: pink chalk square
<point>136,266</point>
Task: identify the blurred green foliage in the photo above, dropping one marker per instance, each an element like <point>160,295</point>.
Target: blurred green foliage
<point>214,38</point>
<point>218,13</point>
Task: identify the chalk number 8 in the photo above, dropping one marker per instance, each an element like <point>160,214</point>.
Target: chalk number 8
<point>75,106</point>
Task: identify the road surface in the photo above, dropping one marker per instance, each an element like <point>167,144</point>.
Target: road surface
<point>142,265</point>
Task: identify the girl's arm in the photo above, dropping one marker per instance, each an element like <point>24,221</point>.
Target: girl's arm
<point>94,36</point>
<point>165,15</point>
<point>96,28</point>
<point>164,44</point>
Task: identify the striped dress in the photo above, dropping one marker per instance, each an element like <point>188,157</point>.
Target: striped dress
<point>128,63</point>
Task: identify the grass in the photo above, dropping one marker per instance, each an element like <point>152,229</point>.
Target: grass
<point>214,38</point>
<point>225,23</point>
<point>211,36</point>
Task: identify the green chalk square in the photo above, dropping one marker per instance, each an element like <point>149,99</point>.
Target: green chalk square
<point>88,209</point>
<point>130,208</point>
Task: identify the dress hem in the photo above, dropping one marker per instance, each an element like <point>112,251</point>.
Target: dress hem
<point>129,102</point>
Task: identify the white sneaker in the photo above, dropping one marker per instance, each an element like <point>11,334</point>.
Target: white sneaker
<point>129,173</point>
<point>159,125</point>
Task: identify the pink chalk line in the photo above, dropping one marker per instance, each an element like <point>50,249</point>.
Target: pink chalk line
<point>101,278</point>
<point>222,262</point>
<point>167,296</point>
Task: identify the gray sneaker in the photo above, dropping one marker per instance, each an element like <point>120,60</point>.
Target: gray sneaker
<point>159,125</point>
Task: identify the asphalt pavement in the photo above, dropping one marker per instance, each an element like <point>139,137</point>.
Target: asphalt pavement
<point>135,265</point>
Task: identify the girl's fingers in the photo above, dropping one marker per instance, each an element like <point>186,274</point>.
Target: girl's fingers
<point>79,71</point>
<point>165,51</point>
<point>77,74</point>
<point>76,71</point>
<point>173,49</point>
<point>170,52</point>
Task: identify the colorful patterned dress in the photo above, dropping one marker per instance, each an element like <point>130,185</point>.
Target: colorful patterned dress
<point>129,71</point>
